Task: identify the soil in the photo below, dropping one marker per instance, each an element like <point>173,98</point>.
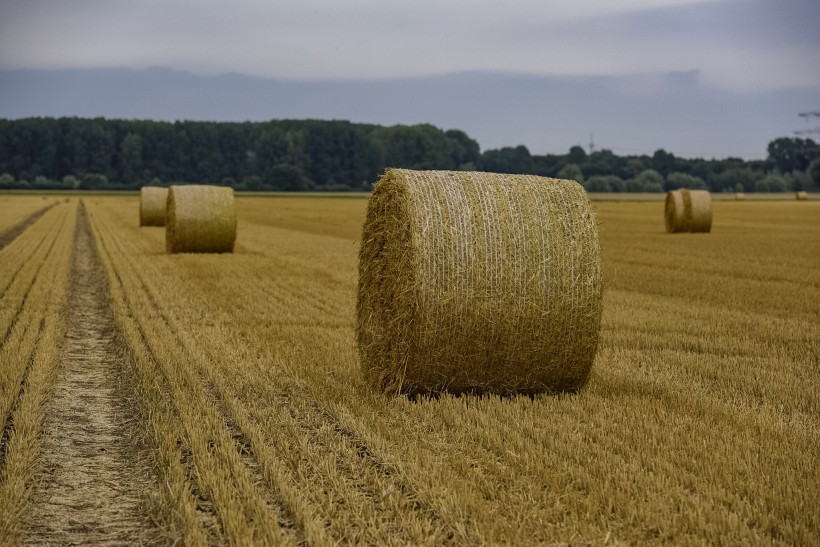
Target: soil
<point>92,486</point>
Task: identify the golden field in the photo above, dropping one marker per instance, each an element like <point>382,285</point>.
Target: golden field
<point>250,422</point>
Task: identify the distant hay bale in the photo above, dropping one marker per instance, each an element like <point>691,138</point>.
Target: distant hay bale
<point>802,195</point>
<point>152,205</point>
<point>478,282</point>
<point>688,211</point>
<point>740,196</point>
<point>200,219</point>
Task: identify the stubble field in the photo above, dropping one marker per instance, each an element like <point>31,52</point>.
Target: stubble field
<point>215,399</point>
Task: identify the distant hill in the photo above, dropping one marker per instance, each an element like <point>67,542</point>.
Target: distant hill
<point>629,115</point>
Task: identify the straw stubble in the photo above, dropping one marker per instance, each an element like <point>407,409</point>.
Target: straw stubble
<point>478,282</point>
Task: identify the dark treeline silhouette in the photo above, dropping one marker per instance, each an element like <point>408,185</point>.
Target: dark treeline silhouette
<point>80,153</point>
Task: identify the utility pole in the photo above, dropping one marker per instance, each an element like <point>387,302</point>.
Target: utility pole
<point>591,144</point>
<point>808,116</point>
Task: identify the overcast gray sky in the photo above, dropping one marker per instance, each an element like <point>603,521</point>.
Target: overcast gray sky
<point>708,78</point>
<point>735,44</point>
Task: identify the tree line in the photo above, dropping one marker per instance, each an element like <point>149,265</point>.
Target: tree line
<point>304,155</point>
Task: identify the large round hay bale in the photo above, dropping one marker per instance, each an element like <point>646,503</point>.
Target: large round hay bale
<point>688,211</point>
<point>802,195</point>
<point>478,282</point>
<point>152,205</point>
<point>740,196</point>
<point>200,219</point>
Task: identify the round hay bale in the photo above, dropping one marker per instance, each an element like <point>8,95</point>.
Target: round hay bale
<point>688,211</point>
<point>740,196</point>
<point>478,282</point>
<point>152,205</point>
<point>200,219</point>
<point>802,195</point>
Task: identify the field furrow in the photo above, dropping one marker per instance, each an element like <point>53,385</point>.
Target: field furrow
<point>91,486</point>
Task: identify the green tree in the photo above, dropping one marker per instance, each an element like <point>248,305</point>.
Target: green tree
<point>604,183</point>
<point>788,154</point>
<point>682,180</point>
<point>71,182</point>
<point>131,152</point>
<point>572,172</point>
<point>813,172</point>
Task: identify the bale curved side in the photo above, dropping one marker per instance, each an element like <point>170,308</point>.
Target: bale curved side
<point>153,205</point>
<point>478,282</point>
<point>688,211</point>
<point>740,196</point>
<point>200,219</point>
<point>802,195</point>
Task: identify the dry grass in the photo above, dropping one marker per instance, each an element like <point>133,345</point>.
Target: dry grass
<point>33,281</point>
<point>200,219</point>
<point>153,203</point>
<point>698,423</point>
<point>478,282</point>
<point>688,211</point>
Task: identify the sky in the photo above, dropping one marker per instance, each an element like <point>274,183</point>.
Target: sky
<point>741,47</point>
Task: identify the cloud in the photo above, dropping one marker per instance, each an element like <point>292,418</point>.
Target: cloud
<point>751,45</point>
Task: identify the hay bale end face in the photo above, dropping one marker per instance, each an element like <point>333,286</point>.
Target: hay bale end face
<point>200,219</point>
<point>152,205</point>
<point>688,211</point>
<point>802,195</point>
<point>478,282</point>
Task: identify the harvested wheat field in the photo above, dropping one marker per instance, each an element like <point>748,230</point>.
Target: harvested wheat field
<point>224,398</point>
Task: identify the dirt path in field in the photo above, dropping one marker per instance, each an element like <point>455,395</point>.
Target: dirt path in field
<point>10,234</point>
<point>91,485</point>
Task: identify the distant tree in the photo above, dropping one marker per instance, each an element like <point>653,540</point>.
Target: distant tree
<point>731,178</point>
<point>464,151</point>
<point>131,153</point>
<point>787,154</point>
<point>572,172</point>
<point>6,180</point>
<point>663,162</point>
<point>813,172</point>
<point>604,183</point>
<point>797,181</point>
<point>71,182</point>
<point>287,177</point>
<point>156,181</point>
<point>683,180</point>
<point>576,155</point>
<point>773,182</point>
<point>515,160</point>
<point>93,181</point>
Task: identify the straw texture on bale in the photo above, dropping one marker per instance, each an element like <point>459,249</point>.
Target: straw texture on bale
<point>478,283</point>
<point>688,211</point>
<point>152,205</point>
<point>801,195</point>
<point>200,219</point>
<point>740,196</point>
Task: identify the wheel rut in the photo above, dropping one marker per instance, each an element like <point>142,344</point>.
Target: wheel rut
<point>9,235</point>
<point>91,486</point>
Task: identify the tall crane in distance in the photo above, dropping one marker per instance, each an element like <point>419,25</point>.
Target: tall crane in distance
<point>808,116</point>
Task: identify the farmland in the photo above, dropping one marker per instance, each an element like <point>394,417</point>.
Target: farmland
<point>234,410</point>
